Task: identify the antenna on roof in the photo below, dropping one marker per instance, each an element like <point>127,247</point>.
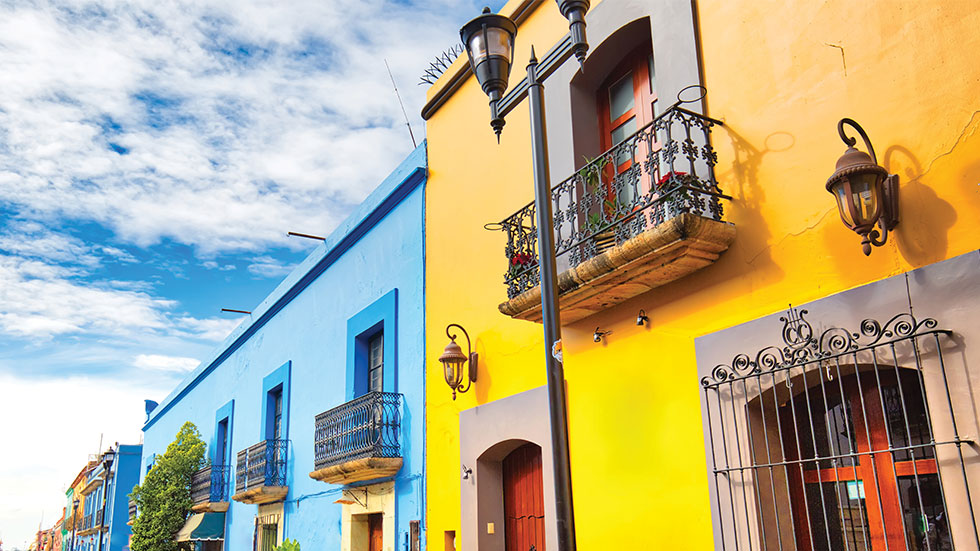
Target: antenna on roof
<point>397,95</point>
<point>236,311</point>
<point>306,235</point>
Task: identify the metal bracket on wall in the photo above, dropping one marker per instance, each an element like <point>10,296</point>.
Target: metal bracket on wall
<point>350,493</point>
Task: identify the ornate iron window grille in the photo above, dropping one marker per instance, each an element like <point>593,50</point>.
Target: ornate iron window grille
<point>758,452</point>
<point>671,171</point>
<point>210,484</point>
<point>367,426</point>
<point>263,464</point>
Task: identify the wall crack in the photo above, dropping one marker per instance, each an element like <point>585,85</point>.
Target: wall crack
<point>842,59</point>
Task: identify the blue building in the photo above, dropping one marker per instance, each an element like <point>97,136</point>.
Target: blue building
<point>314,407</point>
<point>102,505</point>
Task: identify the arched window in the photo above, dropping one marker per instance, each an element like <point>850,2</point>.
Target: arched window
<point>829,441</point>
<point>625,102</point>
<point>865,475</point>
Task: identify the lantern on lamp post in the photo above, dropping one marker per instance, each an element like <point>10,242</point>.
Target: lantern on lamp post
<point>489,43</point>
<point>867,196</point>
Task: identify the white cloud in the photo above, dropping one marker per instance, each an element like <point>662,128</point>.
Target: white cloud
<point>41,300</point>
<point>214,265</point>
<point>159,362</point>
<point>222,124</point>
<point>208,329</point>
<point>267,266</point>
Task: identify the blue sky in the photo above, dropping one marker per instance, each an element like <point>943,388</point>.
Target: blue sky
<point>153,155</point>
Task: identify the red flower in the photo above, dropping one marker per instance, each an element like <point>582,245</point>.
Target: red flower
<point>666,177</point>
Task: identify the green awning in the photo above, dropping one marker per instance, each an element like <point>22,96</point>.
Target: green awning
<point>203,527</point>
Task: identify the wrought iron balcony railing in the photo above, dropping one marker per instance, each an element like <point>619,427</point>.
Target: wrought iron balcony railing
<point>132,510</point>
<point>86,522</point>
<point>263,464</point>
<point>367,426</point>
<point>210,484</point>
<point>98,519</point>
<point>664,169</point>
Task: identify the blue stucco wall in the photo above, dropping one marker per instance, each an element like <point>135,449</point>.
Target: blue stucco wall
<point>126,471</point>
<point>303,324</point>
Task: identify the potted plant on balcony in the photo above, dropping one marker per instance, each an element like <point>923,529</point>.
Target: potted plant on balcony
<point>590,174</point>
<point>518,263</point>
<point>674,195</point>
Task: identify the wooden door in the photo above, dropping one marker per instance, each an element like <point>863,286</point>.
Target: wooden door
<point>375,532</point>
<point>523,499</point>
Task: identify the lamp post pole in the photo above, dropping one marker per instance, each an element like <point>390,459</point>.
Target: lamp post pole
<point>105,494</point>
<point>550,316</point>
<point>489,42</point>
<point>74,523</point>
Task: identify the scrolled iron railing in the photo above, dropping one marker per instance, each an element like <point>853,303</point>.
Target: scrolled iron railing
<point>263,464</point>
<point>367,426</point>
<point>210,484</point>
<point>664,169</point>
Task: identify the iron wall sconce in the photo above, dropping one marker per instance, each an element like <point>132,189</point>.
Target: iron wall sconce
<point>866,194</point>
<point>453,360</point>
<point>597,336</point>
<point>642,318</point>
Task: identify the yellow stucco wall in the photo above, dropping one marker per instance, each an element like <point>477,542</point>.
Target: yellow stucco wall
<point>780,75</point>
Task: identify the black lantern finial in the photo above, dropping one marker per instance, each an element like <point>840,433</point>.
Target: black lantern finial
<point>574,11</point>
<point>866,194</point>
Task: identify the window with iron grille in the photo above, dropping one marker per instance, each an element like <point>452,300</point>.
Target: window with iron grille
<point>842,440</point>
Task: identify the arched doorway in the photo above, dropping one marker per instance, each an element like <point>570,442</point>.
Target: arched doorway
<point>523,499</point>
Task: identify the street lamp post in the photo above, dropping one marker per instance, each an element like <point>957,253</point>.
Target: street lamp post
<point>74,522</point>
<point>489,42</point>
<point>109,456</point>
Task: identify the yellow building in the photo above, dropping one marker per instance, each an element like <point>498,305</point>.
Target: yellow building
<point>727,419</point>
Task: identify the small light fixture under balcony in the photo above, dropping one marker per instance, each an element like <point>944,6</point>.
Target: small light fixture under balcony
<point>598,334</point>
<point>489,42</point>
<point>866,194</point>
<point>453,360</point>
<point>642,318</point>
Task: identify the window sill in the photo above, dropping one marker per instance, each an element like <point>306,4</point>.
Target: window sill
<point>665,253</point>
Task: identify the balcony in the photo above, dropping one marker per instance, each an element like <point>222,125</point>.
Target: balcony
<point>132,511</point>
<point>260,473</point>
<point>209,489</point>
<point>358,440</point>
<point>88,525</point>
<point>642,214</point>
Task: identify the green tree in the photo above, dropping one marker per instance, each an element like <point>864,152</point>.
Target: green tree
<point>289,545</point>
<point>164,499</point>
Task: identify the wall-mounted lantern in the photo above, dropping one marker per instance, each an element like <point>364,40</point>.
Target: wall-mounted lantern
<point>453,361</point>
<point>598,334</point>
<point>866,194</point>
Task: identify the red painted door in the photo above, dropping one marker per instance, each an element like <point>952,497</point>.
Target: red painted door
<point>375,537</point>
<point>523,499</point>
